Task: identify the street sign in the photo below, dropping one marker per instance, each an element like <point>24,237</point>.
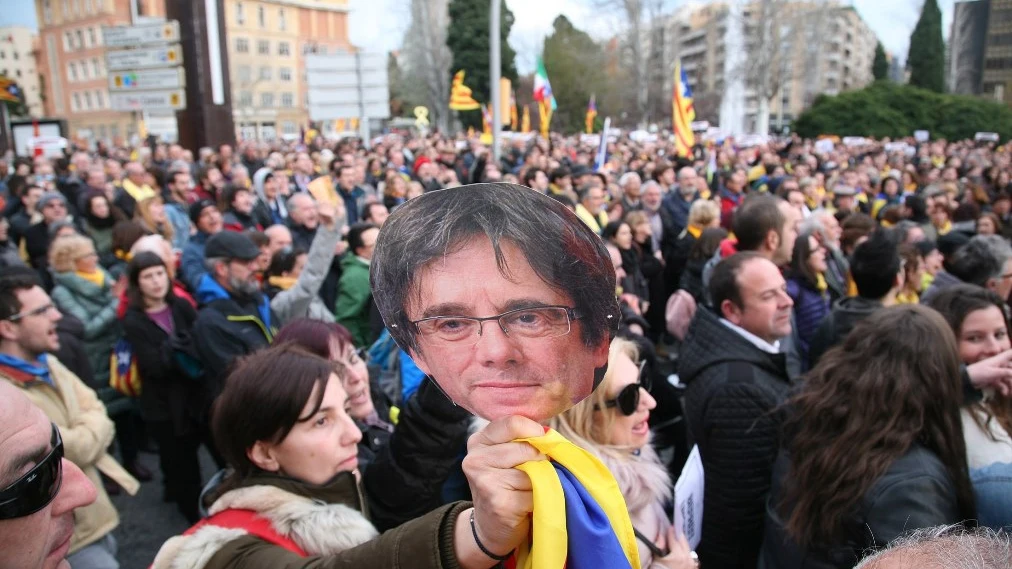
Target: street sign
<point>143,79</point>
<point>347,85</point>
<point>172,99</point>
<point>144,34</point>
<point>144,58</point>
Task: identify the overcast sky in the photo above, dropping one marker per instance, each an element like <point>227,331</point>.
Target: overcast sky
<point>380,24</point>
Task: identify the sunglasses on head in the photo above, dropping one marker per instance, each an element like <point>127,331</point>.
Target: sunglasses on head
<point>37,488</point>
<point>628,400</point>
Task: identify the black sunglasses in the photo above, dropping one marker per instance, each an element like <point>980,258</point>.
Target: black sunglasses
<point>628,400</point>
<point>36,489</point>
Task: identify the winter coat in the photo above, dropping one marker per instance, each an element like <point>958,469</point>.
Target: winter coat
<point>914,492</point>
<point>833,329</point>
<point>303,299</point>
<point>240,222</point>
<point>327,522</point>
<point>95,307</point>
<point>942,281</point>
<point>168,394</point>
<point>354,298</point>
<point>678,208</point>
<point>228,327</point>
<point>406,476</point>
<point>87,432</point>
<point>733,388</point>
<point>810,306</point>
<point>191,266</point>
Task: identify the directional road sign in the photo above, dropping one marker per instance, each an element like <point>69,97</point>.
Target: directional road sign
<point>171,99</point>
<point>144,34</point>
<point>144,58</point>
<point>143,79</point>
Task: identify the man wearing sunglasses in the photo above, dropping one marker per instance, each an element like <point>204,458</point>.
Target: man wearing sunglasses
<point>28,338</point>
<point>39,488</point>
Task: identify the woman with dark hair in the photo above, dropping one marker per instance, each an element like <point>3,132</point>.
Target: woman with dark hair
<point>989,224</point>
<point>124,235</point>
<point>99,218</point>
<point>619,234</point>
<point>806,285</point>
<point>873,445</point>
<point>292,498</point>
<point>704,248</point>
<point>173,403</point>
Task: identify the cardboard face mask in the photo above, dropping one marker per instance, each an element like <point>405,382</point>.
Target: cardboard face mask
<point>501,295</point>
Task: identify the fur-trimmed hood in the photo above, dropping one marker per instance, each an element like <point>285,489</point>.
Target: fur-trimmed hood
<point>316,527</point>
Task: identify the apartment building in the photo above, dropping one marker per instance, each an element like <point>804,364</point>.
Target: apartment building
<point>18,46</point>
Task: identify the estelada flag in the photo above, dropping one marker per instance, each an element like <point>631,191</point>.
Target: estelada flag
<point>9,90</point>
<point>682,112</point>
<point>460,95</point>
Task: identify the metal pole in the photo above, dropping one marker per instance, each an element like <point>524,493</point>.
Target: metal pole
<point>495,70</point>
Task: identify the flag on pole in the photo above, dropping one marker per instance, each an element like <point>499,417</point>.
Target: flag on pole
<point>543,95</point>
<point>682,112</point>
<point>591,115</point>
<point>602,149</point>
<point>525,123</point>
<point>9,90</point>
<point>514,119</point>
<point>460,95</point>
<point>486,119</point>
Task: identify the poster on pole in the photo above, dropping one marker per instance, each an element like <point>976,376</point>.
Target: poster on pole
<point>689,500</point>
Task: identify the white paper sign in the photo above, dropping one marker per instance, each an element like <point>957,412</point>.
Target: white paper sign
<point>824,146</point>
<point>922,135</point>
<point>689,499</point>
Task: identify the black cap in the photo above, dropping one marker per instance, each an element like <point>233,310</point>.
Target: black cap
<point>952,242</point>
<point>231,245</point>
<point>198,208</point>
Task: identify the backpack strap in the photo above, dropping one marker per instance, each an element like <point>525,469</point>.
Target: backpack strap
<point>255,525</point>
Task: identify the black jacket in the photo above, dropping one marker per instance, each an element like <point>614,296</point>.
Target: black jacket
<point>733,391</point>
<point>167,394</point>
<point>406,476</point>
<point>846,313</point>
<point>915,492</point>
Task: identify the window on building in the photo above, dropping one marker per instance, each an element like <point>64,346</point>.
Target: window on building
<point>100,99</point>
<point>47,11</point>
<point>266,100</point>
<point>18,73</point>
<point>284,48</point>
<point>75,102</point>
<point>265,73</point>
<point>87,99</point>
<point>285,73</point>
<point>96,67</point>
<point>289,127</point>
<point>282,22</point>
<point>287,100</point>
<point>79,36</point>
<point>91,37</point>
<point>264,47</point>
<point>66,9</point>
<point>3,55</point>
<point>241,45</point>
<point>240,14</point>
<point>15,55</point>
<point>245,99</point>
<point>245,74</point>
<point>262,16</point>
<point>68,41</point>
<point>84,70</point>
<point>72,71</point>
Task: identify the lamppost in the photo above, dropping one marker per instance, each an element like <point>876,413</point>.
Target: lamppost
<point>495,71</point>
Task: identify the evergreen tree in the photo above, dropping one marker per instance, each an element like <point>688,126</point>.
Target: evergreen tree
<point>574,64</point>
<point>880,67</point>
<point>467,38</point>
<point>926,58</point>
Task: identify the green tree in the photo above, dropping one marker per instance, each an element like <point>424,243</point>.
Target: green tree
<point>467,38</point>
<point>880,67</point>
<point>926,58</point>
<point>574,65</point>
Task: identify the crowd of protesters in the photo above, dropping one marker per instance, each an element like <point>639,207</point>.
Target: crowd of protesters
<point>828,323</point>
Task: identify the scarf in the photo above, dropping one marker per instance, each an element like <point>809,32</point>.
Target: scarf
<point>284,283</point>
<point>38,369</point>
<point>96,277</point>
<point>580,518</point>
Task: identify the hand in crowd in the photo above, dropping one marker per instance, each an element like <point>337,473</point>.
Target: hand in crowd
<point>119,287</point>
<point>679,556</point>
<point>993,373</point>
<point>328,214</point>
<point>502,494</point>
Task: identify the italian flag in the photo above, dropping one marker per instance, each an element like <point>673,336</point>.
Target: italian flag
<point>542,88</point>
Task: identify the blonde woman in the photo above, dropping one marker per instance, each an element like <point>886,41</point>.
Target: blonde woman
<point>613,424</point>
<point>84,290</point>
<point>150,214</point>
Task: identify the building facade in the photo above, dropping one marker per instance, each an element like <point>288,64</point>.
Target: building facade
<point>267,44</point>
<point>18,47</point>
<point>997,76</point>
<point>71,62</point>
<point>811,48</point>
<point>967,43</point>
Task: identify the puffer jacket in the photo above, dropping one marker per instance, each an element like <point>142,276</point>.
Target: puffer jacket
<point>915,492</point>
<point>94,306</point>
<point>733,391</point>
<point>86,431</point>
<point>327,522</point>
<point>303,299</point>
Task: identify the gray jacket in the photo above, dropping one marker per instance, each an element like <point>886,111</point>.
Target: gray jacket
<point>303,299</point>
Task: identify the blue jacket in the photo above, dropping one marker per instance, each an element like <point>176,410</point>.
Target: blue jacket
<point>810,308</point>
<point>192,264</point>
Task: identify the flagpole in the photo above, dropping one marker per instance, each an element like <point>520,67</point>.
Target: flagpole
<point>495,71</point>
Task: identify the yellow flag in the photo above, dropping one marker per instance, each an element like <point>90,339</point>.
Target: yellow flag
<point>460,95</point>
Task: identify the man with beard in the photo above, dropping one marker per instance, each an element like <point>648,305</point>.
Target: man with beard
<point>236,318</point>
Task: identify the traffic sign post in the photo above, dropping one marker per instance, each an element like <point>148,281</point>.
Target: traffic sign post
<point>147,75</point>
<point>348,86</point>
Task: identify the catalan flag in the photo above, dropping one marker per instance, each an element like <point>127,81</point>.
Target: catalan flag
<point>591,115</point>
<point>460,95</point>
<point>682,112</point>
<point>580,518</point>
<point>525,123</point>
<point>514,119</point>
